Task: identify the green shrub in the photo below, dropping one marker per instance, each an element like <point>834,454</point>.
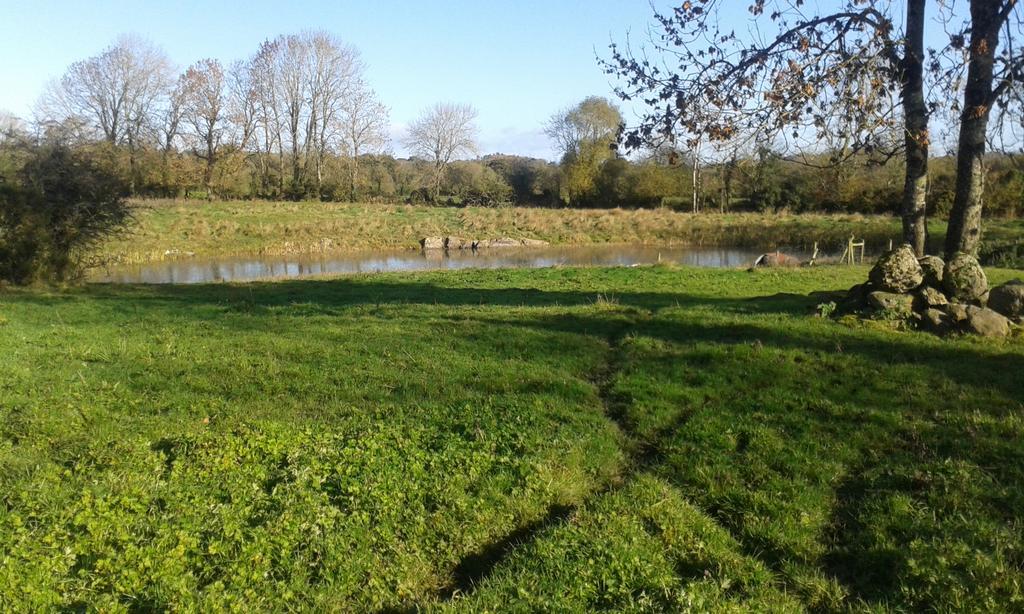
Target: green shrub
<point>1006,254</point>
<point>55,213</point>
<point>676,203</point>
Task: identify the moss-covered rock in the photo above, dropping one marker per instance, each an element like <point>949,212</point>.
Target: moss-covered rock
<point>897,271</point>
<point>964,280</point>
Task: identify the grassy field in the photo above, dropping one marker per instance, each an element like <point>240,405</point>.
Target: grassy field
<point>653,439</point>
<point>172,228</point>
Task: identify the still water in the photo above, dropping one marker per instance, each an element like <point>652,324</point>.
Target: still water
<point>202,270</point>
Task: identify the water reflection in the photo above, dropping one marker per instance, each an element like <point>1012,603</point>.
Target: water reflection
<point>262,267</point>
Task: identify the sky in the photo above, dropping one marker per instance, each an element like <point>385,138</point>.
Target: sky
<point>515,62</point>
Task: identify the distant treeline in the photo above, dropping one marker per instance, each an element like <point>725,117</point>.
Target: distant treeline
<point>297,120</point>
<point>766,182</point>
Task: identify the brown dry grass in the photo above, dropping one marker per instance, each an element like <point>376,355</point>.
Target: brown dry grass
<point>170,229</point>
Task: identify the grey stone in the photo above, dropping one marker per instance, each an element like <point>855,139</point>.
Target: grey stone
<point>509,242</point>
<point>856,298</point>
<point>932,268</point>
<point>987,323</point>
<point>936,320</point>
<point>458,243</point>
<point>432,243</point>
<point>502,242</point>
<point>1008,299</point>
<point>957,312</point>
<point>964,280</point>
<point>900,304</point>
<point>897,271</point>
<point>930,297</point>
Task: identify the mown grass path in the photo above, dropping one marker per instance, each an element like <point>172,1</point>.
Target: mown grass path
<point>652,439</point>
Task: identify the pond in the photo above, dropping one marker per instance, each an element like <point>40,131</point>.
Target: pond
<point>246,268</point>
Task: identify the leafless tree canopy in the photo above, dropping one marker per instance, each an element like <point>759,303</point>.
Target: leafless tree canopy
<point>204,112</point>
<point>364,128</point>
<point>299,99</point>
<point>10,126</point>
<point>301,92</point>
<point>442,133</point>
<point>114,93</point>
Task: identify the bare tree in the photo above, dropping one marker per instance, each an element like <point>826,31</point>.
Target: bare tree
<point>150,79</point>
<point>10,127</point>
<point>115,93</point>
<point>298,87</point>
<point>290,70</point>
<point>364,129</point>
<point>844,76</point>
<point>243,109</point>
<point>263,74</point>
<point>168,126</point>
<point>335,72</point>
<point>440,134</point>
<point>243,103</point>
<point>995,77</point>
<point>205,111</point>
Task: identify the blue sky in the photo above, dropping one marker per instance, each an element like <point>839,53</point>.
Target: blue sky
<point>516,62</point>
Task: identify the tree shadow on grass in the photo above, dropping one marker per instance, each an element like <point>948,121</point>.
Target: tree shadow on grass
<point>912,435</point>
<point>974,366</point>
<point>331,297</point>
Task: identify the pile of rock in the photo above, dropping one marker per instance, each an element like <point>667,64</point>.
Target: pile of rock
<point>942,297</point>
<point>447,243</point>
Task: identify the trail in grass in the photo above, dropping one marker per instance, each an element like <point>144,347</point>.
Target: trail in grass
<point>640,454</point>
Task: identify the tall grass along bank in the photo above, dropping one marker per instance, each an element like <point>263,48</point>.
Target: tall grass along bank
<point>175,229</point>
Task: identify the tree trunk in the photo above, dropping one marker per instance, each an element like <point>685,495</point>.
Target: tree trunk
<point>915,111</point>
<point>696,178</point>
<point>319,176</point>
<point>730,170</point>
<point>294,125</point>
<point>132,166</point>
<point>295,170</point>
<point>438,174</point>
<point>280,170</point>
<point>354,176</point>
<point>208,171</point>
<point>964,232</point>
<point>264,173</point>
<point>208,178</point>
<point>165,172</point>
